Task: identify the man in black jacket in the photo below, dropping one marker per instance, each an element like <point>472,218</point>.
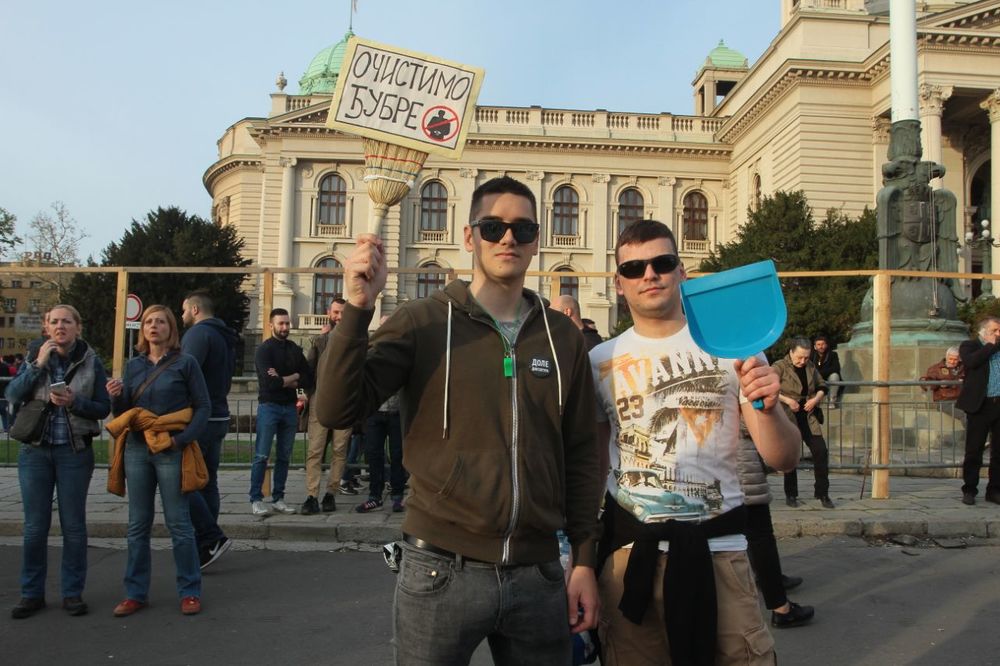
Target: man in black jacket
<point>980,400</point>
<point>827,362</point>
<point>213,345</point>
<point>281,369</point>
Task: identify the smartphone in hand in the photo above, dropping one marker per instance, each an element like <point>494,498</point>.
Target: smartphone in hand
<point>58,388</point>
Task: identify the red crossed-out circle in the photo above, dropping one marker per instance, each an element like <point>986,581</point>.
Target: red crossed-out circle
<point>429,122</point>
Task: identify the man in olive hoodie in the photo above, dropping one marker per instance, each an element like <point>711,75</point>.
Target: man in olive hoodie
<point>497,407</point>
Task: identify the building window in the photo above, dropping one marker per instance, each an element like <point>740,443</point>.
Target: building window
<point>332,200</point>
<point>569,285</point>
<point>695,217</point>
<point>565,212</point>
<point>428,283</point>
<point>16,284</point>
<point>35,284</point>
<point>433,207</point>
<point>756,194</point>
<point>10,304</point>
<point>326,287</point>
<point>630,208</point>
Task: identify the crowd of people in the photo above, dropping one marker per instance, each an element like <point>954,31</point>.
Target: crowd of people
<point>520,424</point>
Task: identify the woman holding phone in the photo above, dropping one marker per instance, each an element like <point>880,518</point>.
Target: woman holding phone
<point>69,378</point>
<point>160,382</point>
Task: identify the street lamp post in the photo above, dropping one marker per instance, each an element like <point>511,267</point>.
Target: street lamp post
<point>985,243</point>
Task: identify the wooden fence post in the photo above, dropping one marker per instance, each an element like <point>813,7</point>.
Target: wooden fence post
<point>118,352</point>
<point>881,418</point>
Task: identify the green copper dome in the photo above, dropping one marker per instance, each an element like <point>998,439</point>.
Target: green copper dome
<point>723,56</point>
<point>321,75</point>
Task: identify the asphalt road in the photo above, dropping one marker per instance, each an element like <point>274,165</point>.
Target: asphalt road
<point>876,605</point>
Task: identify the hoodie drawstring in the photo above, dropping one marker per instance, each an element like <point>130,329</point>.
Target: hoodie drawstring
<point>552,346</point>
<point>447,375</point>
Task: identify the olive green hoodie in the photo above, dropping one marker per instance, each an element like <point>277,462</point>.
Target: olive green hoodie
<point>497,464</point>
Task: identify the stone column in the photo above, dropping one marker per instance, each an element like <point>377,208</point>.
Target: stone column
<point>880,148</point>
<point>286,222</point>
<point>992,105</point>
<point>665,212</point>
<point>932,99</point>
<point>599,239</point>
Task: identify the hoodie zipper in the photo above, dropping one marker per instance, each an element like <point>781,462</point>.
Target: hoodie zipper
<point>509,348</point>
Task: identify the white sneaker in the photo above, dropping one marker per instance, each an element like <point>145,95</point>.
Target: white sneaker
<point>281,507</point>
<point>258,509</point>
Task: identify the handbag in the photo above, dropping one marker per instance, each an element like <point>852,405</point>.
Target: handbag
<point>30,422</point>
<point>194,471</point>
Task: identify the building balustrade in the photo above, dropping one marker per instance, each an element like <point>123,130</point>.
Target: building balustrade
<point>700,246</point>
<point>563,240</point>
<point>433,235</point>
<point>312,321</point>
<point>664,127</point>
<point>331,230</point>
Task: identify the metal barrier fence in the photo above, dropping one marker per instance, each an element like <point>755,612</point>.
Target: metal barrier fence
<point>924,434</point>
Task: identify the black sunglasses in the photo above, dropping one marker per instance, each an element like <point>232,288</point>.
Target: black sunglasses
<point>636,268</point>
<point>492,229</point>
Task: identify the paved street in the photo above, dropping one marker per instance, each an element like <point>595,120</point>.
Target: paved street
<point>918,506</point>
<point>877,605</point>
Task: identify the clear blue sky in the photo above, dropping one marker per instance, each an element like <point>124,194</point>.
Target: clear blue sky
<point>114,107</point>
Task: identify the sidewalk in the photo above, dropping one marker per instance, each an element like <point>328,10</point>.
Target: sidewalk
<point>919,507</point>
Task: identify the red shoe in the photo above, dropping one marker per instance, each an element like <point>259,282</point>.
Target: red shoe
<point>190,605</point>
<point>127,607</point>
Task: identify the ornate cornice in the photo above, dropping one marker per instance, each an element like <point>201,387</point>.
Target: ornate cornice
<point>223,167</point>
<point>813,73</point>
<point>983,19</point>
<point>936,39</point>
<point>505,144</point>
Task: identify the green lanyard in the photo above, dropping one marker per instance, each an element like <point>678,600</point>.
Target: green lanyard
<point>508,359</point>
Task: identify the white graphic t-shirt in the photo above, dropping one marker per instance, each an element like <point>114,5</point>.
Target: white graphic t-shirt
<point>674,413</point>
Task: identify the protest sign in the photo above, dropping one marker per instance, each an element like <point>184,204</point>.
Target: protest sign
<point>404,98</point>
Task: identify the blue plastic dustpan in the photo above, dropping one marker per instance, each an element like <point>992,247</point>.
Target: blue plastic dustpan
<point>736,313</point>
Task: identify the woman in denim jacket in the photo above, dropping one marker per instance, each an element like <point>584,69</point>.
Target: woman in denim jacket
<point>179,385</point>
<point>62,459</point>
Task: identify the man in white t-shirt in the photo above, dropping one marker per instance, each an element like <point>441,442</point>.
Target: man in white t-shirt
<point>668,422</point>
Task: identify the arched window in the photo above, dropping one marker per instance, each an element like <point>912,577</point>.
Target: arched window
<point>326,287</point>
<point>433,207</point>
<point>570,285</point>
<point>565,212</point>
<point>695,217</point>
<point>332,200</point>
<point>428,283</point>
<point>756,195</point>
<point>630,208</point>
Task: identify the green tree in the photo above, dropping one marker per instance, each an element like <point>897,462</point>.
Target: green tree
<point>783,229</point>
<point>167,237</point>
<point>8,238</point>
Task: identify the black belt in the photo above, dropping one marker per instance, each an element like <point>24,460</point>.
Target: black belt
<point>431,548</point>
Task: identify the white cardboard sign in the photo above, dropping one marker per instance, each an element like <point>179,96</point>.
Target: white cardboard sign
<point>405,98</point>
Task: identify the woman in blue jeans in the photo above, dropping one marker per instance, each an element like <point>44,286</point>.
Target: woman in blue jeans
<point>67,375</point>
<point>162,380</point>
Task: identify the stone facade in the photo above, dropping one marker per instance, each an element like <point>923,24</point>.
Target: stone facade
<point>811,114</point>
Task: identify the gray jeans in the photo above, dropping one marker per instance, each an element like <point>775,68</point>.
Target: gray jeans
<point>444,608</point>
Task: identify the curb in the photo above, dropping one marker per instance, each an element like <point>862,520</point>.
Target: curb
<point>325,530</point>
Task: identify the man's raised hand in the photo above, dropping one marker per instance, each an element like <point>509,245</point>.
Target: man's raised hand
<point>365,272</point>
